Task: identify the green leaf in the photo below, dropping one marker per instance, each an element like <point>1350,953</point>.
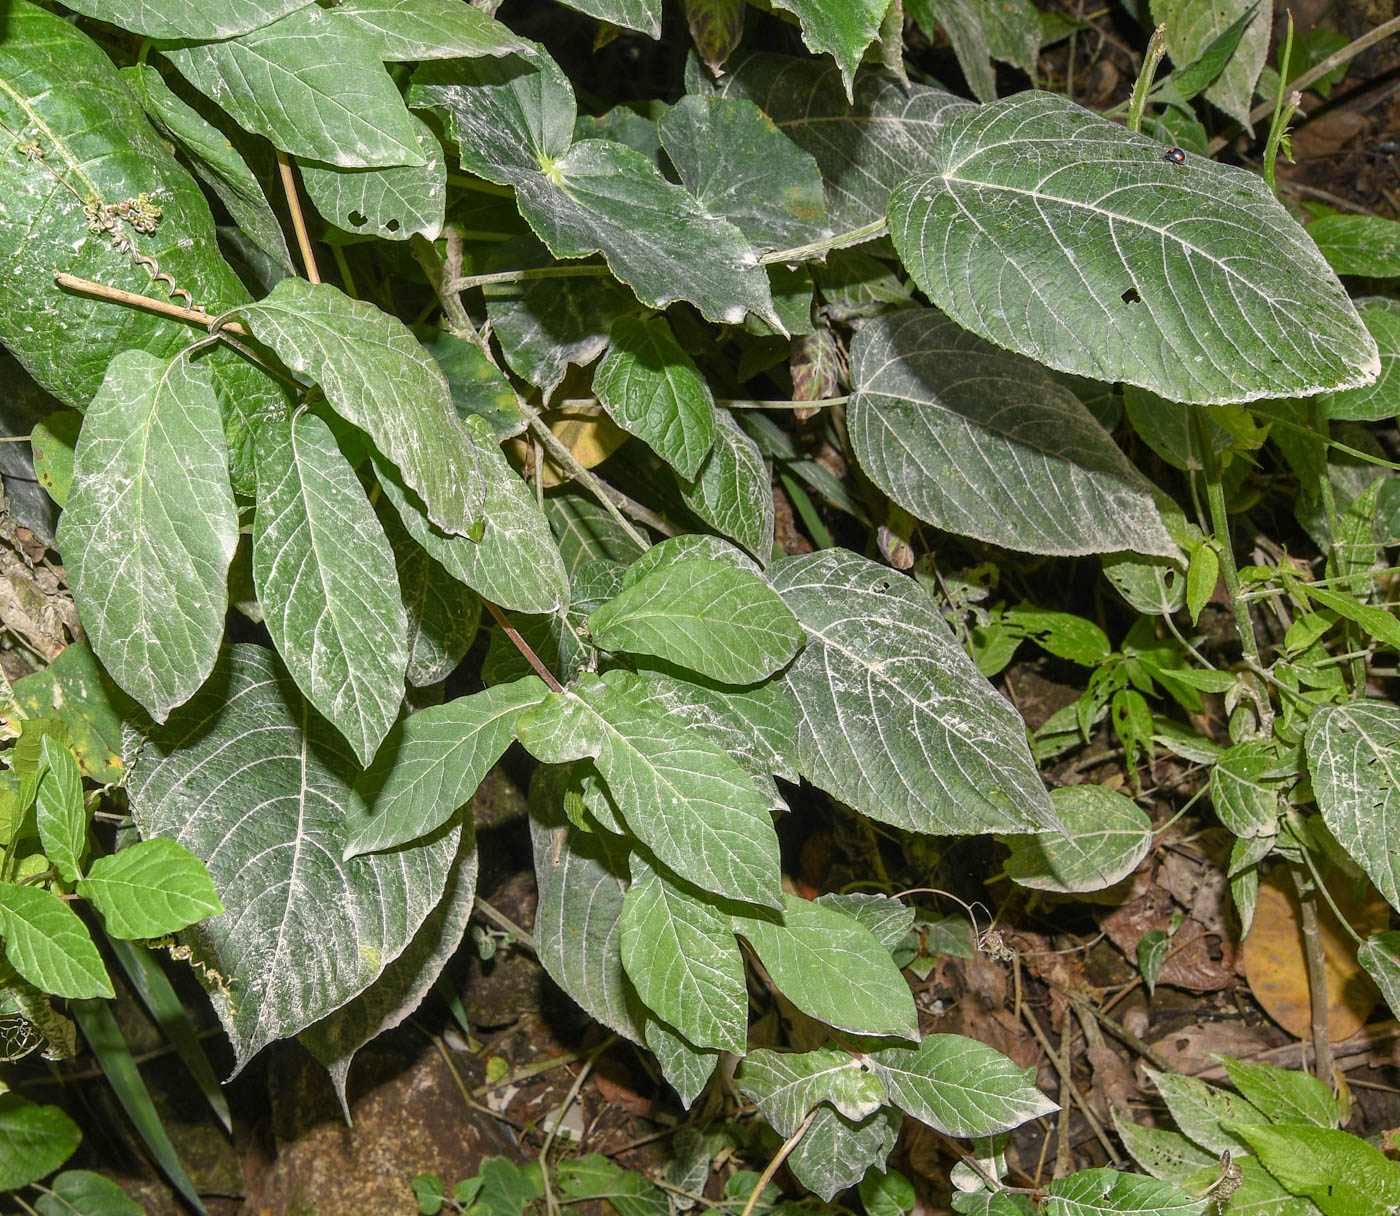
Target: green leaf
<point>680,954</point>
<point>716,26</point>
<point>1101,1191</point>
<point>51,443</point>
<point>863,150</point>
<point>1193,26</point>
<point>257,786</point>
<point>150,888</point>
<point>687,801</point>
<point>598,196</point>
<point>844,28</point>
<point>59,809</point>
<point>895,720</point>
<point>644,16</point>
<point>74,690</point>
<point>34,1140</point>
<point>739,165</point>
<point>884,1194</point>
<point>432,763</point>
<point>516,563</point>
<point>732,491</point>
<point>706,616</point>
<point>1380,955</point>
<point>1152,950</point>
<point>1102,839</point>
<point>1380,400</point>
<point>1243,802</point>
<point>150,527</point>
<point>391,203</point>
<point>83,1193</point>
<point>187,18</point>
<point>1376,621</point>
<point>1170,265</point>
<point>962,20</point>
<point>1285,1095</point>
<point>1339,1172</point>
<point>650,387</point>
<point>1034,470</point>
<point>215,160</point>
<point>586,532</point>
<point>832,968</point>
<point>1013,32</point>
<point>687,1068</point>
<point>477,385</point>
<point>375,374</point>
<point>836,1152</point>
<point>325,578</point>
<point>410,30</point>
<point>1163,1153</point>
<point>788,1084</point>
<point>886,917</point>
<point>1189,79</point>
<point>1354,758</point>
<point>959,1086</point>
<point>313,84</point>
<point>595,1177</point>
<point>48,945</point>
<point>1206,1114</point>
<point>1365,245</point>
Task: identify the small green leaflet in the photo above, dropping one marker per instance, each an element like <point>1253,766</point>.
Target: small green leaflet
<point>703,615</point>
<point>34,1140</point>
<point>48,945</point>
<point>1380,955</point>
<point>150,888</point>
<point>1102,1191</point>
<point>1103,837</point>
<point>787,1085</point>
<point>83,1193</point>
<point>837,1152</point>
<point>688,802</point>
<point>410,30</point>
<point>1285,1095</point>
<point>151,526</point>
<point>832,968</point>
<point>375,374</point>
<point>432,763</point>
<point>59,810</point>
<point>324,574</point>
<point>687,1068</point>
<point>843,28</point>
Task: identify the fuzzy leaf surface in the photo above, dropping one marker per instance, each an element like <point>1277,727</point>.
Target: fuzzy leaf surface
<point>1339,1172</point>
<point>732,491</point>
<point>838,1152</point>
<point>1102,1191</point>
<point>410,30</point>
<point>1192,25</point>
<point>787,1084</point>
<point>1103,837</point>
<point>188,18</point>
<point>841,28</point>
<point>150,888</point>
<point>1184,279</point>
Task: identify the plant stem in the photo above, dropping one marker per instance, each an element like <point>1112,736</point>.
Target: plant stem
<point>525,649</point>
<point>778,1158</point>
<point>166,308</point>
<point>503,921</point>
<point>1156,48</point>
<point>841,240</point>
<point>16,438</point>
<point>440,274</point>
<point>556,270</point>
<point>463,182</point>
<point>1323,1063</point>
<point>289,188</point>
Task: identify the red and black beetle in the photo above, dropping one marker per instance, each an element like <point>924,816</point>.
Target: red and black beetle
<point>1175,155</point>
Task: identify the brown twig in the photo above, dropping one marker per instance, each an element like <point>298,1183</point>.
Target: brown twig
<point>778,1158</point>
<point>166,308</point>
<point>1069,1087</point>
<point>524,647</point>
<point>289,187</point>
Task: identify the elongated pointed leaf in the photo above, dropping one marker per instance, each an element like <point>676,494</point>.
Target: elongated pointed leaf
<point>687,1068</point>
<point>257,786</point>
<point>644,16</point>
<point>1379,954</point>
<point>376,375</point>
<point>1285,1095</point>
<point>34,1140</point>
<point>680,954</point>
<point>188,18</point>
<point>149,889</point>
<point>706,616</point>
<point>150,527</point>
<point>688,802</point>
<point>1102,839</point>
<point>1193,25</point>
<point>313,84</point>
<point>983,443</point>
<point>1354,757</point>
<point>842,28</point>
<point>962,21</point>
<point>894,718</point>
<point>59,810</point>
<point>652,388</point>
<point>832,968</point>
<point>960,1086</point>
<point>410,30</point>
<point>433,763</point>
<point>325,578</point>
<point>1206,1114</point>
<point>1099,1192</point>
<point>836,1152</point>
<point>787,1084</point>
<point>48,945</point>
<point>886,917</point>
<point>1339,1172</point>
<point>1185,279</point>
<point>732,491</point>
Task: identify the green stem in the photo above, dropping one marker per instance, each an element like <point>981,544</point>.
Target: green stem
<point>463,182</point>
<point>841,240</point>
<point>1351,633</point>
<point>1156,48</point>
<point>1323,1063</point>
<point>554,271</point>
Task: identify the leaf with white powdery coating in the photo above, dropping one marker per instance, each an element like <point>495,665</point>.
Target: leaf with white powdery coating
<point>1103,836</point>
<point>1102,1191</point>
<point>706,616</point>
<point>1354,758</point>
<point>433,762</point>
<point>324,574</point>
<point>190,19</point>
<point>837,1152</point>
<point>1193,25</point>
<point>376,374</point>
<point>312,83</point>
<point>687,801</point>
<point>410,30</point>
<point>151,526</point>
<point>787,1084</point>
<point>48,945</point>
<point>832,968</point>
<point>894,718</point>
<point>1185,279</point>
<point>733,491</point>
<point>681,956</point>
<point>256,785</point>
<point>150,888</point>
<point>844,28</point>
<point>983,443</point>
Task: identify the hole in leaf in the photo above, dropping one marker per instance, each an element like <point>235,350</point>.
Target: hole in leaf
<point>392,225</point>
<point>358,218</point>
<point>1131,296</point>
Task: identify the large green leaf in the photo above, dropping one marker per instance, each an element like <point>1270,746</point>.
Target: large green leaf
<point>680,954</point>
<point>863,149</point>
<point>214,158</point>
<point>48,945</point>
<point>151,527</point>
<point>1163,1153</point>
<point>1102,838</point>
<point>652,388</point>
<point>1354,758</point>
<point>313,84</point>
<point>687,1068</point>
<point>258,787</point>
<point>895,720</point>
<point>1339,1172</point>
<point>986,444</point>
<point>188,18</point>
<point>375,373</point>
<point>844,28</point>
<point>1099,1192</point>
<point>1204,1113</point>
<point>644,16</point>
<point>513,121</point>
<point>432,764</point>
<point>837,1152</point>
<point>959,1086</point>
<point>705,616</point>
<point>1284,1094</point>
<point>787,1084</point>
<point>516,563</point>
<point>34,1140</point>
<point>1366,245</point>
<point>150,888</point>
<point>1192,25</point>
<point>325,579</point>
<point>832,968</point>
<point>1185,279</point>
<point>687,801</point>
<point>733,490</point>
<point>732,158</point>
<point>410,30</point>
